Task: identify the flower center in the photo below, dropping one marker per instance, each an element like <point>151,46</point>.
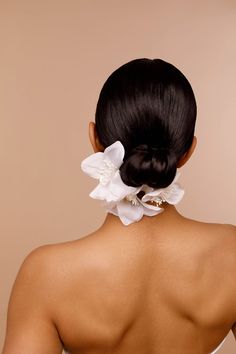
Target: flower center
<point>106,171</point>
<point>132,198</point>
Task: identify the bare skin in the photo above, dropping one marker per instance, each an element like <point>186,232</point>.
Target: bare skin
<point>163,285</point>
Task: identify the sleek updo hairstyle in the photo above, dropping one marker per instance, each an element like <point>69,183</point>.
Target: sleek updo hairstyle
<point>148,105</point>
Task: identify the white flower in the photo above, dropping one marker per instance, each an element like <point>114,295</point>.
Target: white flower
<point>105,167</point>
<point>120,199</point>
<point>129,213</point>
<point>171,194</point>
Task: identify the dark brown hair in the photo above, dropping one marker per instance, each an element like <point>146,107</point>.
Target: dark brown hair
<point>148,105</point>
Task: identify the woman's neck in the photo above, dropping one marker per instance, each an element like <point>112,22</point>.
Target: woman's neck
<point>168,216</point>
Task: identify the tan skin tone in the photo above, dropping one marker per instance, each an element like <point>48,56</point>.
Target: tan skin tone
<point>163,285</point>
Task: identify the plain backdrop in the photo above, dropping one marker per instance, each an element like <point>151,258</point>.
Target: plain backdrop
<point>55,57</point>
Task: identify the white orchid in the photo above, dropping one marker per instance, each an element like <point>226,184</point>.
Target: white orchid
<point>171,194</point>
<point>105,167</point>
<point>120,199</point>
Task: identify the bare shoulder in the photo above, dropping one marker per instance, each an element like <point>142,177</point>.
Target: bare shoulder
<point>40,261</point>
<point>227,232</point>
<point>48,261</point>
<point>34,267</point>
<point>60,264</point>
<point>220,238</point>
<point>227,243</point>
<point>225,229</point>
<point>35,275</point>
<point>31,309</point>
<point>214,243</point>
<point>230,231</point>
<point>42,277</point>
<point>213,229</point>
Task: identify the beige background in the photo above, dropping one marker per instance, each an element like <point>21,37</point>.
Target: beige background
<point>55,56</point>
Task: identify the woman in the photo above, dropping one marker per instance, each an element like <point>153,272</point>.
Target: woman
<point>148,280</point>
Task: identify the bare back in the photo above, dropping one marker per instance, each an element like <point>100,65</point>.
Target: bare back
<point>165,292</point>
<point>168,290</point>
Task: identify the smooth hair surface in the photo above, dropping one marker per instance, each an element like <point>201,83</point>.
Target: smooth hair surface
<point>148,105</point>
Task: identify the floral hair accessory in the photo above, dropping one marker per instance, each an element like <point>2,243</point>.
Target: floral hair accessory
<point>117,197</point>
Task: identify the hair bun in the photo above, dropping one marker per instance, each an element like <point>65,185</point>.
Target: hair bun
<point>150,165</point>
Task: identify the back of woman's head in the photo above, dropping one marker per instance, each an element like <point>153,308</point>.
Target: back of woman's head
<point>149,106</point>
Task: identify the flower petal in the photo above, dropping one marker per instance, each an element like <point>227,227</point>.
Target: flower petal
<point>99,192</point>
<point>91,165</point>
<point>171,192</point>
<point>151,195</point>
<point>115,153</point>
<point>129,213</point>
<point>140,188</point>
<point>111,208</point>
<point>174,194</point>
<point>152,212</point>
<point>118,189</point>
